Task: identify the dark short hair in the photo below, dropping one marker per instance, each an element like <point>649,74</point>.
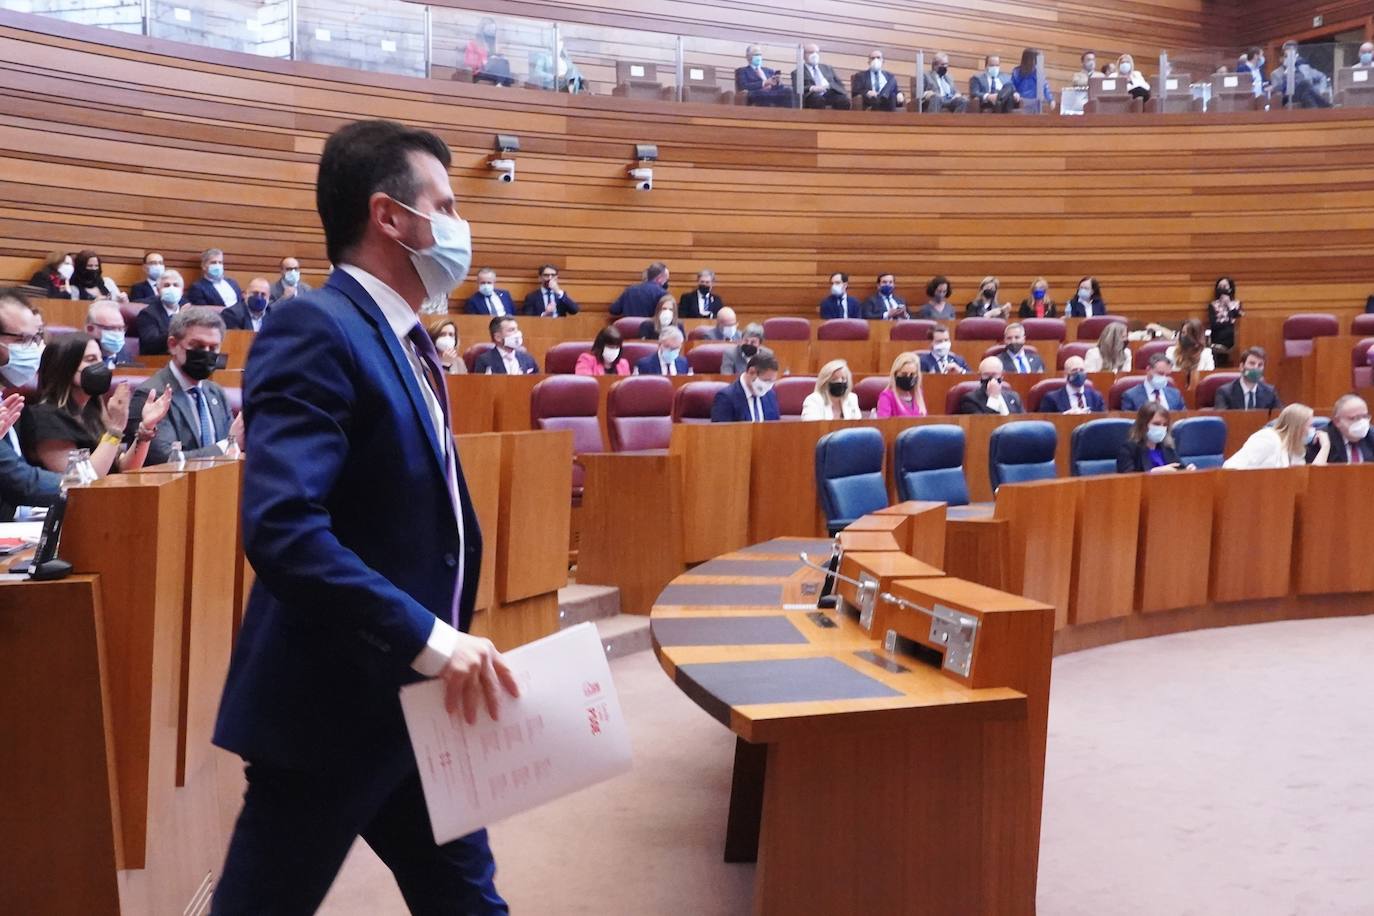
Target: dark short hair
<point>889,273</point>
<point>761,363</point>
<point>844,277</point>
<point>609,336</point>
<point>15,294</point>
<point>1257,352</point>
<point>359,160</point>
<point>934,284</point>
<point>655,270</point>
<point>195,316</point>
<point>544,267</point>
<point>495,324</point>
<point>1158,358</point>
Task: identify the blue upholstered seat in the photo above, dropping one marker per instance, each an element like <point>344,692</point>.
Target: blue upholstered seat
<point>1093,446</point>
<point>1200,441</point>
<point>849,475</point>
<point>928,464</point>
<point>1020,451</point>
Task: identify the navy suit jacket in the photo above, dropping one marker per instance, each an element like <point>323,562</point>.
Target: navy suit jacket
<point>236,317</point>
<point>887,96</point>
<point>142,291</point>
<point>747,79</point>
<point>638,301</point>
<point>477,303</point>
<point>649,365</point>
<point>691,305</point>
<point>23,484</point>
<point>1032,359</point>
<point>875,307</point>
<point>1133,399</point>
<point>349,526</point>
<point>832,307</point>
<point>150,327</point>
<point>492,360</point>
<point>203,292</point>
<point>1057,401</point>
<point>564,304</point>
<point>732,405</point>
<point>1232,397</point>
<point>1077,308</point>
<point>928,363</point>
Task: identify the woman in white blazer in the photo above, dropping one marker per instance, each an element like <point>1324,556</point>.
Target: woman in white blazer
<point>834,397</point>
<point>1283,444</point>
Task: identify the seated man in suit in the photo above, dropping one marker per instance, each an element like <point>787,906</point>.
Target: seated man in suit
<point>821,86</point>
<point>726,326</point>
<point>641,299</point>
<point>22,485</point>
<point>993,395</point>
<point>199,417</point>
<point>937,89</point>
<point>875,88</point>
<point>1077,395</point>
<point>249,314</point>
<point>289,284</point>
<point>885,304</point>
<point>145,290</point>
<point>488,300</point>
<point>1016,358</point>
<point>1351,440</point>
<point>1250,391</point>
<point>751,398</point>
<point>508,356</point>
<point>750,345</point>
<point>701,302</point>
<point>151,324</point>
<point>1157,387</point>
<point>213,287</point>
<point>993,90</point>
<point>549,300</point>
<point>764,84</point>
<point>105,323</point>
<point>839,304</point>
<point>941,360</point>
<point>668,358</point>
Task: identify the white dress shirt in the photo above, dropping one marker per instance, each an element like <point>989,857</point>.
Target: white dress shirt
<point>226,292</point>
<point>999,404</point>
<point>820,82</point>
<point>511,359</point>
<point>400,318</point>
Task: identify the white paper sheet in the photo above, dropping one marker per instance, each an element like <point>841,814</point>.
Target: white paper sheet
<point>565,732</point>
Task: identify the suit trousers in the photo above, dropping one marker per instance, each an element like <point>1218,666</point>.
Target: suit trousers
<point>297,826</point>
<point>830,98</point>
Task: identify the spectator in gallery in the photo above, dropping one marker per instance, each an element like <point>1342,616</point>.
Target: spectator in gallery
<point>985,304</point>
<point>444,333</point>
<point>821,85</point>
<point>54,278</point>
<point>762,85</point>
<point>938,306</point>
<point>481,58</point>
<point>750,345</point>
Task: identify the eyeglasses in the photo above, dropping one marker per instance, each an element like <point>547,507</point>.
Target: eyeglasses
<point>24,339</point>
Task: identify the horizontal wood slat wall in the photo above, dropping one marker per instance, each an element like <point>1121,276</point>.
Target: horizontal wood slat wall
<point>117,144</point>
<point>1270,22</point>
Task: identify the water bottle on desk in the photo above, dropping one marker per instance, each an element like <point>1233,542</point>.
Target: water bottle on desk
<point>176,458</point>
<point>72,476</point>
<point>88,474</point>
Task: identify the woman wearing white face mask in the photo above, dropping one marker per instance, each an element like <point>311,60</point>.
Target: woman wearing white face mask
<point>604,356</point>
<point>1149,445</point>
<point>54,277</point>
<point>1136,84</point>
<point>1088,301</point>
<point>1284,444</point>
<point>834,397</point>
<point>665,316</point>
<point>444,333</point>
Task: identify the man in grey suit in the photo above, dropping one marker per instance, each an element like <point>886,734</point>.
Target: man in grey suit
<point>993,88</point>
<point>199,417</point>
<point>289,283</point>
<point>726,326</point>
<point>937,88</point>
<point>736,360</point>
<point>821,85</point>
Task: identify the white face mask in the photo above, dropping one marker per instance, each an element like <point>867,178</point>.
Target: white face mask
<point>813,59</point>
<point>65,271</point>
<point>941,349</point>
<point>665,318</point>
<point>446,342</point>
<point>610,354</point>
<point>729,331</point>
<point>875,65</point>
<point>443,265</point>
<point>1358,430</point>
<point>23,364</point>
<point>513,341</point>
<point>1085,293</point>
<point>1124,67</point>
<point>761,387</point>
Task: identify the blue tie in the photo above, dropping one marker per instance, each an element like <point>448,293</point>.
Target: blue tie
<point>207,427</point>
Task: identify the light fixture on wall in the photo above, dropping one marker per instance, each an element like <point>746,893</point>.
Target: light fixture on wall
<point>643,174</point>
<point>502,163</point>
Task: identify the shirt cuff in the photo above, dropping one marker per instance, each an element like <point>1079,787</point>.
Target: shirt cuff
<point>437,650</point>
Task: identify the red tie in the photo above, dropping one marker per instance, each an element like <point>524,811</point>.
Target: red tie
<point>1354,449</point>
<point>1159,396</point>
<point>1079,395</point>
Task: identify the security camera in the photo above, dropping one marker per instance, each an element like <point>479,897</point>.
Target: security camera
<point>506,167</point>
<point>643,178</point>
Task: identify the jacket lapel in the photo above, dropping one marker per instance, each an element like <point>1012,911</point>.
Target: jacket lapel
<point>181,402</point>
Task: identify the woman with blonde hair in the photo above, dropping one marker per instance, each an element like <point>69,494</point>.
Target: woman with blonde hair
<point>1284,444</point>
<point>1039,304</point>
<point>665,316</point>
<point>1191,354</point>
<point>444,333</point>
<point>986,305</point>
<point>1136,84</point>
<point>903,396</point>
<point>1111,353</point>
<point>834,397</point>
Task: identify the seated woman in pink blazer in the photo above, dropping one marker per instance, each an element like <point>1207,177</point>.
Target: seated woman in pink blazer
<point>604,356</point>
<point>903,397</point>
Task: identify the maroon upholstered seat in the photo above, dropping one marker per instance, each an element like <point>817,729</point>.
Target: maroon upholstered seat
<point>1300,329</point>
<point>702,332</point>
<point>569,402</point>
<point>1363,324</point>
<point>956,394</point>
<point>562,357</point>
<point>1091,328</point>
<point>1141,357</point>
<point>639,413</point>
<point>1361,368</point>
<point>1045,328</point>
<point>1121,386</point>
<point>52,331</point>
<point>791,391</point>
<point>1039,390</point>
<point>705,359</point>
<point>1074,348</point>
<point>130,312</point>
<point>692,403</point>
<point>979,329</point>
<point>628,327</point>
<point>471,353</point>
<point>786,329</point>
<point>1206,393</point>
<point>233,399</point>
<point>632,351</point>
<point>867,391</point>
<point>842,329</point>
<point>914,329</point>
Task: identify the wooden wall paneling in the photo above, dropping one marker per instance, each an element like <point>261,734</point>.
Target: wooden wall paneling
<point>1040,532</point>
<point>977,549</point>
<point>482,467</point>
<point>536,496</point>
<point>518,622</point>
<point>715,468</point>
<point>61,830</point>
<point>1271,22</point>
<point>926,529</point>
<point>1252,538</point>
<point>1330,555</point>
<point>1174,559</point>
<point>1106,541</point>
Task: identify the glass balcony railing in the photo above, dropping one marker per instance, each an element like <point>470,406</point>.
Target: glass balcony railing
<point>447,43</point>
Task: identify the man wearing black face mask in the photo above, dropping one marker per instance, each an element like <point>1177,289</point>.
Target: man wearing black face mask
<point>993,394</point>
<point>937,88</point>
<point>199,418</point>
<point>701,302</point>
<point>249,313</point>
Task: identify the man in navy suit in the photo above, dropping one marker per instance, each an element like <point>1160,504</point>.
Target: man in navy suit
<point>359,525</point>
<point>875,88</point>
<point>488,300</point>
<point>1077,395</point>
<point>1158,387</point>
<point>1016,357</point>
<point>1352,442</point>
<point>508,357</point>
<point>992,88</point>
<point>668,358</point>
<point>885,304</point>
<point>839,304</point>
<point>750,399</point>
<point>549,300</point>
<point>941,360</point>
<point>252,310</point>
<point>764,84</point>
<point>641,299</point>
<point>151,324</point>
<point>213,287</point>
<point>1250,391</point>
<point>21,484</point>
<point>146,290</point>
